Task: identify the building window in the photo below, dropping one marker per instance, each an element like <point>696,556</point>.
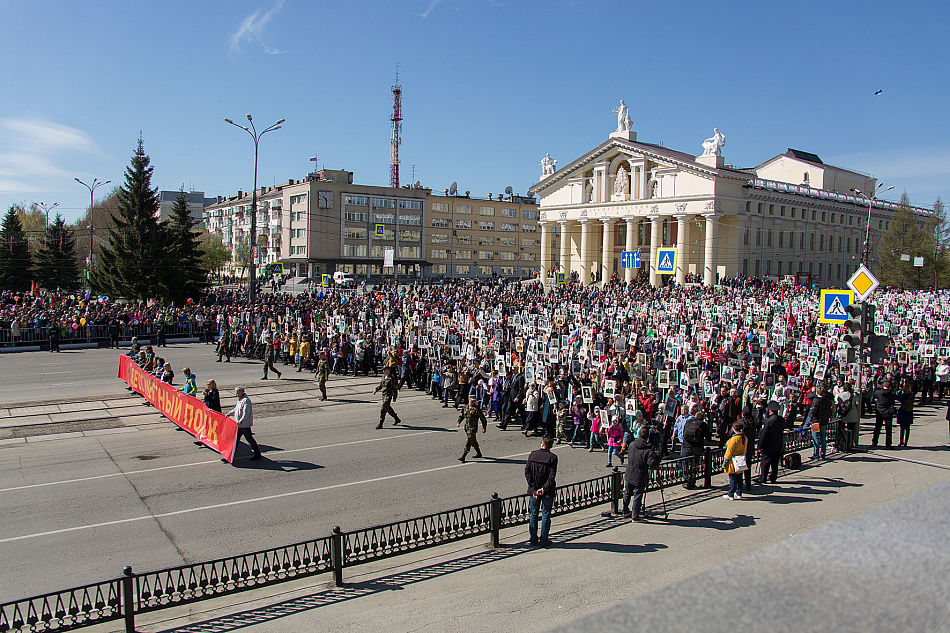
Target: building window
<point>781,212</point>
<point>410,236</point>
<point>440,238</point>
<point>509,213</point>
<point>528,228</point>
<point>529,214</point>
<point>384,218</point>
<point>463,254</point>
<point>509,227</point>
<point>464,209</point>
<point>848,245</point>
<point>801,242</point>
<point>528,257</point>
<point>298,199</point>
<point>359,201</point>
<point>463,270</point>
<point>508,241</point>
<point>383,203</point>
<point>821,242</point>
<point>438,269</point>
<point>771,209</point>
<point>779,272</point>
<point>410,220</point>
<point>526,243</point>
<point>484,255</point>
<point>840,242</point>
<point>486,241</point>
<point>441,223</point>
<point>486,210</point>
<point>824,216</point>
<point>485,270</point>
<point>354,250</point>
<point>811,243</point>
<point>410,252</point>
<point>463,239</point>
<point>463,224</point>
<point>768,241</point>
<point>745,236</point>
<point>439,207</point>
<point>745,267</point>
<point>781,240</point>
<point>386,236</point>
<point>507,271</point>
<point>353,216</point>
<point>439,254</point>
<point>793,213</point>
<point>506,257</point>
<point>352,233</point>
<point>486,226</point>
<point>758,239</point>
<point>757,262</point>
<point>414,205</point>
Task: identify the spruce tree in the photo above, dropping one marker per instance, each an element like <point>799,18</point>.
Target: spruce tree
<point>910,235</point>
<point>56,265</point>
<point>15,260</point>
<point>189,270</point>
<point>137,261</point>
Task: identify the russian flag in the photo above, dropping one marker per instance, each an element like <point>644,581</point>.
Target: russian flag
<point>575,336</point>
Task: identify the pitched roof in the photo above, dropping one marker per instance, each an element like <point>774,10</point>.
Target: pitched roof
<point>808,157</point>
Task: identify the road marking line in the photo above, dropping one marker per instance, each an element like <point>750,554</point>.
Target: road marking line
<point>210,461</point>
<point>229,504</point>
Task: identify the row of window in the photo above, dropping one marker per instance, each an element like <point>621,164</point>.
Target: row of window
<point>466,269</point>
<point>836,218</point>
<point>844,244</point>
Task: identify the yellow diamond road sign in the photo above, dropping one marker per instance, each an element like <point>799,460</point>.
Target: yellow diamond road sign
<point>863,283</point>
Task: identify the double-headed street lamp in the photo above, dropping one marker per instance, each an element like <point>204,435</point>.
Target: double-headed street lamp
<point>92,221</point>
<point>252,277</point>
<point>867,231</point>
<point>46,209</point>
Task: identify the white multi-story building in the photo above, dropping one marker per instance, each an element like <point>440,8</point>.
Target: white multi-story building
<point>790,215</point>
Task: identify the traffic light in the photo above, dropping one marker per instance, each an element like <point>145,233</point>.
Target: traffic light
<point>878,349</point>
<point>854,327</point>
<point>867,331</point>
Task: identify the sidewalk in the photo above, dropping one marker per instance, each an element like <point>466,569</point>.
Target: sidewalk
<point>597,563</point>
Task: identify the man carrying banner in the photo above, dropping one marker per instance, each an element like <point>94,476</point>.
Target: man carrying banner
<point>242,414</point>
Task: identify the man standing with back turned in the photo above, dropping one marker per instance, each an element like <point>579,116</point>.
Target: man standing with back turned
<point>540,471</point>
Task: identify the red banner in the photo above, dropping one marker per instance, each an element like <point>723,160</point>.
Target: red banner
<point>215,430</point>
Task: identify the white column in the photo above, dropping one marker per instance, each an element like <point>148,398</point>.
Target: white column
<point>545,251</point>
<point>586,259</point>
<point>631,234</point>
<point>709,261</point>
<point>682,245</point>
<point>607,252</point>
<point>655,229</point>
<point>565,260</point>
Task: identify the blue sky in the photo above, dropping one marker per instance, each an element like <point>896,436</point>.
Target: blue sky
<point>489,86</point>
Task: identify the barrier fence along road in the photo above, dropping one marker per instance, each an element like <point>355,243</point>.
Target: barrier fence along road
<point>124,597</point>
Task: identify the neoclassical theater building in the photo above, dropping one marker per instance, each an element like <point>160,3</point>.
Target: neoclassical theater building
<point>792,215</point>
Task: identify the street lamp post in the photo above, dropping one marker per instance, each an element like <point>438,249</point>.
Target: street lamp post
<point>95,184</point>
<point>867,231</point>
<point>252,277</point>
<point>46,209</point>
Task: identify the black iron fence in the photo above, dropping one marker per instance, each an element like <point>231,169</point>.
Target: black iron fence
<point>99,334</point>
<point>131,594</point>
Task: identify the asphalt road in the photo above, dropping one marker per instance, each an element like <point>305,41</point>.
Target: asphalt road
<point>78,508</point>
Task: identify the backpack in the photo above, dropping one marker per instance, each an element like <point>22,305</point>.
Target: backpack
<point>692,431</point>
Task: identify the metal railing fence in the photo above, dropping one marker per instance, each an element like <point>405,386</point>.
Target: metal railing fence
<point>124,597</point>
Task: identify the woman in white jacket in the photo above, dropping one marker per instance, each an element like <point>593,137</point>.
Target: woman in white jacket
<point>531,405</point>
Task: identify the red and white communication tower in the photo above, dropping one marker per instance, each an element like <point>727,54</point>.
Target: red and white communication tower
<point>397,130</point>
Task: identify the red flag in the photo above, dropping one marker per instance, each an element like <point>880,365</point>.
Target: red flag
<point>33,288</point>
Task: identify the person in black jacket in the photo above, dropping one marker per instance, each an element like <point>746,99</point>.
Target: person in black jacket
<point>820,412</point>
<point>540,472</point>
<point>516,395</point>
<point>695,434</point>
<point>643,457</point>
<point>771,444</point>
<point>886,399</point>
<point>750,429</point>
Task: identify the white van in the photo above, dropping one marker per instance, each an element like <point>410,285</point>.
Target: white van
<point>341,278</point>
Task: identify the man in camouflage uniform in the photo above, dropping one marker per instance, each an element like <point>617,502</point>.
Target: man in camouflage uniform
<point>322,373</point>
<point>472,414</point>
<point>388,386</point>
<point>224,345</point>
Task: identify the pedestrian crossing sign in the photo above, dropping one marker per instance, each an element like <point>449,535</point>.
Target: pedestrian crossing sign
<point>666,260</point>
<point>834,305</point>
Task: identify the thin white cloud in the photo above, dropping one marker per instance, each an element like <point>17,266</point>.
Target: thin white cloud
<point>251,28</point>
<point>924,172</point>
<point>432,4</point>
<point>31,149</point>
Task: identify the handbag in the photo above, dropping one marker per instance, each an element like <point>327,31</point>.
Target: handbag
<point>815,427</point>
<point>738,463</point>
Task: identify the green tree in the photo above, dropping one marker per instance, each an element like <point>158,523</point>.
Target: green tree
<point>188,268</point>
<point>214,253</point>
<point>56,265</point>
<point>908,235</point>
<point>136,262</point>
<point>15,259</point>
<point>33,221</point>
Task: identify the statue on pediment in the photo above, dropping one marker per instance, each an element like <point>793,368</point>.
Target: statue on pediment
<point>623,117</point>
<point>621,185</point>
<point>713,146</point>
<point>547,165</point>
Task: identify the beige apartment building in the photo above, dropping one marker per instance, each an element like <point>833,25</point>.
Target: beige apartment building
<point>326,223</point>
